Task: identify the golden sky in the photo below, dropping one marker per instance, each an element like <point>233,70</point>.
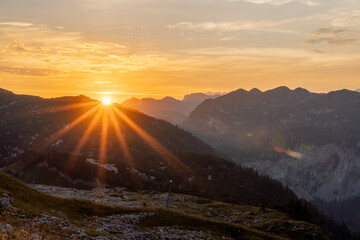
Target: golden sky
<point>156,48</point>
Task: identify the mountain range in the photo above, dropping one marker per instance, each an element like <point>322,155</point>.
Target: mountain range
<point>308,141</point>
<point>170,109</point>
<point>77,141</point>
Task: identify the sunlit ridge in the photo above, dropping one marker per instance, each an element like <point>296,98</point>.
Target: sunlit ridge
<point>101,172</point>
<point>121,139</point>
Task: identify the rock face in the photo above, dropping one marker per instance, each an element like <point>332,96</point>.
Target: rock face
<point>308,141</point>
<point>168,108</point>
<point>328,172</point>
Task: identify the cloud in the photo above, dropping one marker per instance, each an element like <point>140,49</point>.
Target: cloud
<point>231,26</point>
<point>347,19</point>
<point>262,57</point>
<point>247,54</point>
<point>228,39</point>
<point>329,40</point>
<point>339,36</point>
<point>16,24</point>
<point>332,36</point>
<point>99,5</point>
<point>328,31</point>
<point>52,51</point>
<point>33,72</point>
<point>318,51</point>
<point>279,2</point>
<point>17,47</point>
<point>267,25</point>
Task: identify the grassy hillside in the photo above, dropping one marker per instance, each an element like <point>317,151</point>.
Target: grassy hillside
<point>32,213</point>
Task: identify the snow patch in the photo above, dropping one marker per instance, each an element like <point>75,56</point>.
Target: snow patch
<point>107,166</point>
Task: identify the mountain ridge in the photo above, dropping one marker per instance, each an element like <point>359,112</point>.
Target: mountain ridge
<point>290,135</point>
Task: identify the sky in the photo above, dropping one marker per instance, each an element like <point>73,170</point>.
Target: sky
<point>157,48</point>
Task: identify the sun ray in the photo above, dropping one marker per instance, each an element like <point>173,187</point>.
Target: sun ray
<point>101,171</point>
<point>104,136</point>
<point>68,127</point>
<point>89,130</point>
<point>129,160</point>
<point>69,107</point>
<point>158,147</point>
<point>115,124</point>
<point>69,163</point>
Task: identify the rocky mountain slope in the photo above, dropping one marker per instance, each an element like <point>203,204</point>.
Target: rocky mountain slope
<point>328,172</point>
<point>28,214</point>
<point>308,141</point>
<point>168,108</point>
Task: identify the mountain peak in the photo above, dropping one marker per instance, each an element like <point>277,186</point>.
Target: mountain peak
<point>255,91</point>
<point>131,101</point>
<point>4,91</point>
<point>301,90</point>
<point>195,97</point>
<point>344,93</point>
<point>241,90</point>
<point>168,99</point>
<point>281,89</point>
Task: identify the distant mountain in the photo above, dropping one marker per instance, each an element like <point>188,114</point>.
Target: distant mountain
<point>308,141</point>
<point>168,108</point>
<point>76,141</point>
<point>197,98</point>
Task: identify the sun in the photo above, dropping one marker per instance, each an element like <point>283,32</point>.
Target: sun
<point>106,101</point>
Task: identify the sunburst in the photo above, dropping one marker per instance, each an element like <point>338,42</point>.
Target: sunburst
<point>106,115</point>
<point>106,101</point>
